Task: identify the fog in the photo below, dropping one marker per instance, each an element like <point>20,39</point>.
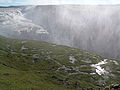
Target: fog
<point>14,24</point>
<point>93,28</point>
<point>89,27</point>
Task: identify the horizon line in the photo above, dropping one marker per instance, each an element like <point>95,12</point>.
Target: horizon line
<point>55,4</point>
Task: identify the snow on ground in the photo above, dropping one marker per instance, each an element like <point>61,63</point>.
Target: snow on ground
<point>35,56</point>
<point>99,69</point>
<point>92,73</point>
<point>13,52</point>
<point>63,67</point>
<point>116,63</point>
<point>87,61</point>
<point>23,48</point>
<point>72,59</point>
<point>23,42</point>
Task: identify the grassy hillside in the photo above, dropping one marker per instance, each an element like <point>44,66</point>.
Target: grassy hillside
<point>35,65</point>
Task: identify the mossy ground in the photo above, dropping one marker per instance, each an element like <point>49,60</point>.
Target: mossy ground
<point>35,67</point>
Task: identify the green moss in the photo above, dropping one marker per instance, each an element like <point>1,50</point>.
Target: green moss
<point>20,70</point>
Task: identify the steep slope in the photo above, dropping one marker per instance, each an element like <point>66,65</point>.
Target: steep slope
<point>27,64</point>
<point>14,24</point>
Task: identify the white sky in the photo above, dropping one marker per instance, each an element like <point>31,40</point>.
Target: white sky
<point>44,2</point>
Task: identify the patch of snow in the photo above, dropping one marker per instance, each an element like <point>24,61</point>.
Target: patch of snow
<point>72,59</point>
<point>99,69</point>
<point>83,66</point>
<point>35,56</point>
<point>116,63</point>
<point>64,67</point>
<point>23,42</point>
<point>92,73</point>
<point>23,48</point>
<point>14,53</point>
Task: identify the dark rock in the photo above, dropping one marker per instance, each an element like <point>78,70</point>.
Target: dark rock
<point>6,74</point>
<point>115,86</point>
<point>56,78</point>
<point>76,84</point>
